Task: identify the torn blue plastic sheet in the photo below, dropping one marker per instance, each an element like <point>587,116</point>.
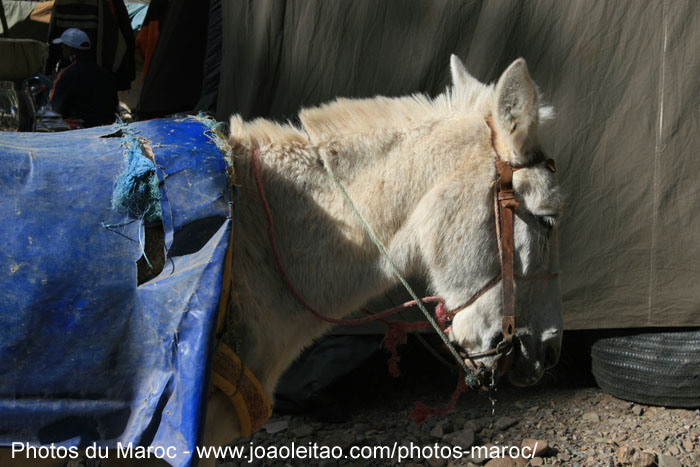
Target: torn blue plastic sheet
<point>86,355</point>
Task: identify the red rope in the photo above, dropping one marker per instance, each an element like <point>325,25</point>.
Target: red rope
<point>290,286</point>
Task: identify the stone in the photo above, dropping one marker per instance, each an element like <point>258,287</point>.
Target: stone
<point>536,447</point>
<point>437,432</point>
<point>436,461</point>
<point>592,417</point>
<point>564,457</point>
<point>273,428</point>
<point>254,463</point>
<point>504,423</point>
<point>674,451</point>
<point>479,456</point>
<point>643,459</point>
<point>688,446</point>
<point>446,424</point>
<point>463,439</point>
<point>507,462</point>
<point>473,425</point>
<point>624,454</point>
<point>637,410</point>
<point>537,462</point>
<point>361,427</point>
<point>344,440</point>
<point>499,462</point>
<point>669,461</point>
<point>303,430</point>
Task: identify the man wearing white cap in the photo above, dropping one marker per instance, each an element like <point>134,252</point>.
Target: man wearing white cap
<point>84,92</point>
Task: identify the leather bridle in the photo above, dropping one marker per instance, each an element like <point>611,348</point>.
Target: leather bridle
<point>505,206</point>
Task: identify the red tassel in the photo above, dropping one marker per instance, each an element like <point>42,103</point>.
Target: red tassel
<point>397,334</point>
<point>421,412</point>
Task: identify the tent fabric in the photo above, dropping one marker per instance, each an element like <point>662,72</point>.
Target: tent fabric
<point>35,26</point>
<point>622,76</point>
<point>21,58</point>
<point>212,60</point>
<point>16,12</point>
<point>147,37</point>
<point>87,355</point>
<point>107,24</point>
<point>173,80</point>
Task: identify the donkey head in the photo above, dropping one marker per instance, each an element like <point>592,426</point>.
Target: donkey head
<point>512,108</point>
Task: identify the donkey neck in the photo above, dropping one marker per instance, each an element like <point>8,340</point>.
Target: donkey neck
<point>326,254</point>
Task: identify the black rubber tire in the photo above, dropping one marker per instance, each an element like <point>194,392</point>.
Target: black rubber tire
<point>650,368</point>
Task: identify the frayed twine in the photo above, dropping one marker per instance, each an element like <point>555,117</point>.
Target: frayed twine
<point>397,334</point>
<point>217,134</point>
<point>136,192</point>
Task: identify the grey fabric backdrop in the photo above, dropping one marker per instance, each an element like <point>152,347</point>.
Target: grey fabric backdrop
<point>623,77</point>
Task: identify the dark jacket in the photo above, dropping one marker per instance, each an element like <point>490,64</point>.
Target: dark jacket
<point>86,91</point>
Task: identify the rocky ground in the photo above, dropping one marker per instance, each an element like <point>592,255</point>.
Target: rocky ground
<point>570,420</point>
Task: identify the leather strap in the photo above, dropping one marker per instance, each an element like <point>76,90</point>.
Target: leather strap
<point>506,206</point>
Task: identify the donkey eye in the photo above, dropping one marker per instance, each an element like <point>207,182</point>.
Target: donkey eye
<point>547,221</point>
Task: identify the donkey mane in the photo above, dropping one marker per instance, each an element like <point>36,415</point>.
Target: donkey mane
<point>345,118</point>
<point>349,117</point>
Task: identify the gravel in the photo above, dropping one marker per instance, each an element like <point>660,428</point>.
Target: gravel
<point>566,421</point>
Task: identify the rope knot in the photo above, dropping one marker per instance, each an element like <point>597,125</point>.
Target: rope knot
<point>441,314</point>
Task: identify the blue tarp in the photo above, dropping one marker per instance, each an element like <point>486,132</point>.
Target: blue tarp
<point>86,355</point>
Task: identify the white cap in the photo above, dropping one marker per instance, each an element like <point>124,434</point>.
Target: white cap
<point>75,38</point>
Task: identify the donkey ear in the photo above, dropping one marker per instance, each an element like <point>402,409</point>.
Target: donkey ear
<point>516,107</point>
<point>460,75</point>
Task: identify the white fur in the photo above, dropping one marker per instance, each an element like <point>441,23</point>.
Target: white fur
<point>419,169</point>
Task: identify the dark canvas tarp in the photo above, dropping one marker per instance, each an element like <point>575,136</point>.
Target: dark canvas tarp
<point>173,80</point>
<point>623,76</point>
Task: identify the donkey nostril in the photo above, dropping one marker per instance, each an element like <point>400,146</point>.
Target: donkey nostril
<point>551,356</point>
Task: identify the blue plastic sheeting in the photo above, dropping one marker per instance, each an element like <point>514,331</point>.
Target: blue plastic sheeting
<point>86,356</point>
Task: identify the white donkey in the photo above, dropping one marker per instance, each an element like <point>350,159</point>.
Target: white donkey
<point>420,171</point>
